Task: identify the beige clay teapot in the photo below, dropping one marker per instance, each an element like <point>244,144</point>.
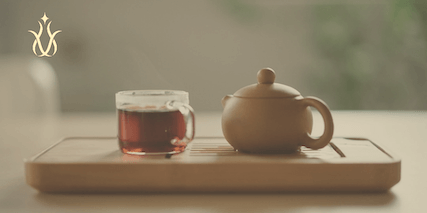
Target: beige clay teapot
<point>268,117</point>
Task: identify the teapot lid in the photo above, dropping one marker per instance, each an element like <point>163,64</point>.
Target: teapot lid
<point>266,88</point>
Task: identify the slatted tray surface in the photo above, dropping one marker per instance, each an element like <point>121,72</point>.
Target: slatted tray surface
<point>210,164</point>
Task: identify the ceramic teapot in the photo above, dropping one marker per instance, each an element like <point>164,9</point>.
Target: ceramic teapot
<point>268,117</point>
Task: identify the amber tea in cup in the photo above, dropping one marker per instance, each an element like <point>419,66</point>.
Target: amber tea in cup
<point>154,121</point>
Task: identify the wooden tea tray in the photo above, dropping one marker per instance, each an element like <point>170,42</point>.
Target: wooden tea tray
<point>211,165</point>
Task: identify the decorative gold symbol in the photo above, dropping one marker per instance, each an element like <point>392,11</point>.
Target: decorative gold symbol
<point>51,40</point>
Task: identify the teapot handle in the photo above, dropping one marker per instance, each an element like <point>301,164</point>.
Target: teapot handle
<point>328,132</point>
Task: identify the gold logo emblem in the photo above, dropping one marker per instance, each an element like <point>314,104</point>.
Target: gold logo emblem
<point>52,41</point>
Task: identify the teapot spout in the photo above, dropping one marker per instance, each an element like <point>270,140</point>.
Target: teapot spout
<point>225,99</point>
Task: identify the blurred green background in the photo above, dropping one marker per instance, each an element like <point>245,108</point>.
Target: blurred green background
<point>354,55</point>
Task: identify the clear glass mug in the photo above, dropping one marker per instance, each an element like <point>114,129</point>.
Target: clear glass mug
<point>154,121</point>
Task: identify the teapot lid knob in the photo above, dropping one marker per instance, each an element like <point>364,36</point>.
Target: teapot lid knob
<point>266,88</point>
<point>266,76</point>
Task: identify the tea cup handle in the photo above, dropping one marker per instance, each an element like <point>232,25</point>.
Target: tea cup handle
<point>189,118</point>
<point>328,132</point>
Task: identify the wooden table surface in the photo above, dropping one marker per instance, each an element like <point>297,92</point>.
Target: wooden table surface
<point>24,136</point>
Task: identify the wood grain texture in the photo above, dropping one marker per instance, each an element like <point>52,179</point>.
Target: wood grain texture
<point>211,165</point>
